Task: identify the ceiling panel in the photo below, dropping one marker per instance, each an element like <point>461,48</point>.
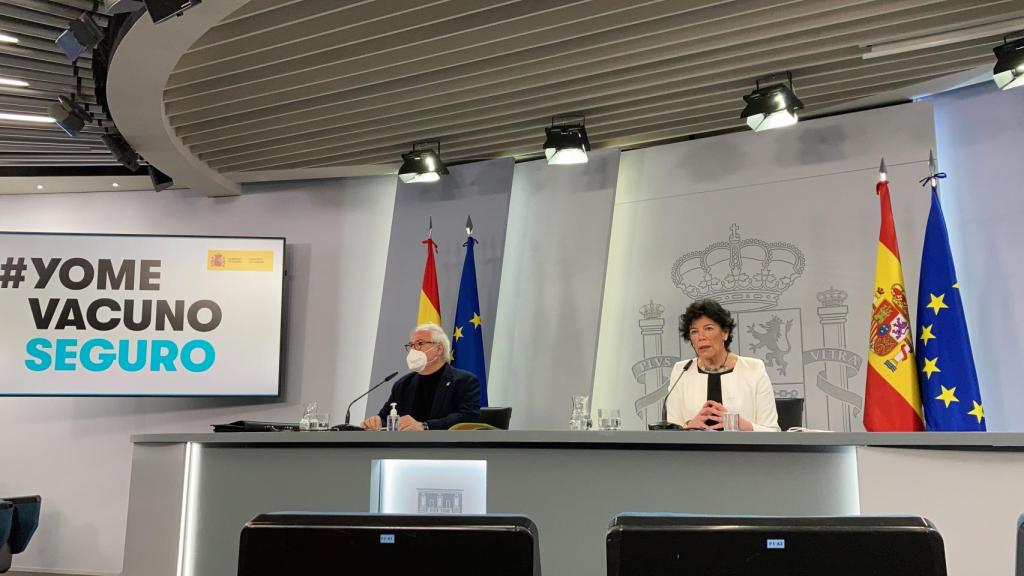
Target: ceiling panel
<point>318,83</point>
<point>38,60</point>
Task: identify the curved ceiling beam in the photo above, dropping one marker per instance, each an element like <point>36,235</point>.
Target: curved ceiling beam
<point>136,79</point>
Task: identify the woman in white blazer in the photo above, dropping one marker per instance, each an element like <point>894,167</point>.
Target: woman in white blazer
<point>703,389</point>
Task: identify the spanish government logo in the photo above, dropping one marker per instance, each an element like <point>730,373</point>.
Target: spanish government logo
<point>750,277</point>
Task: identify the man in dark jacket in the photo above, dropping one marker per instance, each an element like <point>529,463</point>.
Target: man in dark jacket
<point>435,396</point>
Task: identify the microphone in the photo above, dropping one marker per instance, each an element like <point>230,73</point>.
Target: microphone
<point>664,424</point>
<point>348,411</point>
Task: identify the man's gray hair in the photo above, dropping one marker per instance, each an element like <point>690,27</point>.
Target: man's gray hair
<point>437,336</point>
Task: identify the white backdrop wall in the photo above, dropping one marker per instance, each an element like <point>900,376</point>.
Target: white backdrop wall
<point>796,206</point>
<point>979,131</point>
<point>545,337</point>
<point>76,452</point>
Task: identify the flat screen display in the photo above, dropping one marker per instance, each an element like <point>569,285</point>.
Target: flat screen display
<point>122,315</point>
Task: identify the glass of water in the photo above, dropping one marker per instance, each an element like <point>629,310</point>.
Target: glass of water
<point>609,419</point>
<point>322,422</point>
<point>731,422</point>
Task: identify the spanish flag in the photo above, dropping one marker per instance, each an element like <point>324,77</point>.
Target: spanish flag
<point>892,399</point>
<point>430,303</point>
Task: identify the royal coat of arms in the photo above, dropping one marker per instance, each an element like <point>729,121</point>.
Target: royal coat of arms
<point>890,325</point>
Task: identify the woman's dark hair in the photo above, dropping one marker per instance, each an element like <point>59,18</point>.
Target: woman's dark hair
<point>714,311</point>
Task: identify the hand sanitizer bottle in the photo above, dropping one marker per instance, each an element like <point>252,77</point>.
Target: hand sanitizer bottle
<point>393,418</point>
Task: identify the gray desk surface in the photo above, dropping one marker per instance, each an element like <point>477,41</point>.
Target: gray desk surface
<point>664,440</point>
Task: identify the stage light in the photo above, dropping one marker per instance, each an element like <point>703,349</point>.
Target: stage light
<point>6,39</point>
<point>566,140</point>
<point>159,180</point>
<point>13,82</point>
<point>26,118</point>
<point>422,165</point>
<point>69,115</point>
<point>772,106</point>
<point>82,33</point>
<point>122,151</point>
<point>1009,69</point>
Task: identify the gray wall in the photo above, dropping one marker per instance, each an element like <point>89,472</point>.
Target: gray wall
<point>480,189</point>
<point>978,131</point>
<point>76,453</point>
<point>546,332</point>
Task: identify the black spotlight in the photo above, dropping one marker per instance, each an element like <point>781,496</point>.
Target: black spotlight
<point>69,115</point>
<point>1009,70</point>
<point>160,180</point>
<point>81,34</point>
<point>772,106</point>
<point>423,164</point>
<point>160,10</point>
<point>121,150</point>
<point>566,140</point>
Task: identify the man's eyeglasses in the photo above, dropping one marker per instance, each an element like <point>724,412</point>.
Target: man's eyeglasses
<point>418,345</point>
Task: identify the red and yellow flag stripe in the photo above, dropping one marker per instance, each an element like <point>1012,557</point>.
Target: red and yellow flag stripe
<point>892,399</point>
<point>430,302</point>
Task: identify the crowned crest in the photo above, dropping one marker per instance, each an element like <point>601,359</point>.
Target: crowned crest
<point>832,297</point>
<point>651,311</point>
<point>743,274</point>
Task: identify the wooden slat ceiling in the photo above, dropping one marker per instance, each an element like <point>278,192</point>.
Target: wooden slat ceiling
<point>36,59</point>
<point>321,83</point>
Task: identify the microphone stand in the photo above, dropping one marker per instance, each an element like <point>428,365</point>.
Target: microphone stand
<point>348,411</point>
<point>664,424</point>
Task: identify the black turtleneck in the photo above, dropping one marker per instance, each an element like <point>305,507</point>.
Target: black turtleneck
<point>714,388</point>
<point>426,389</point>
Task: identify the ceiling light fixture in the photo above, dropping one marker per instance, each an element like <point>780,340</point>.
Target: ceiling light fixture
<point>13,82</point>
<point>5,39</point>
<point>163,10</point>
<point>566,140</point>
<point>1009,69</point>
<point>772,106</point>
<point>26,118</point>
<point>423,164</point>
<point>81,34</point>
<point>69,115</point>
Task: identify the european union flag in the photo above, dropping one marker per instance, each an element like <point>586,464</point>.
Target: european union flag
<point>949,382</point>
<point>468,336</point>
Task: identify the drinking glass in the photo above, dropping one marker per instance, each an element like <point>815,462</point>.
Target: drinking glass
<point>608,419</point>
<point>323,421</point>
<point>731,422</point>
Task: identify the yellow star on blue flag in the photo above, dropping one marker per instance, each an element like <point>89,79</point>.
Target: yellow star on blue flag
<point>468,348</point>
<point>945,336</point>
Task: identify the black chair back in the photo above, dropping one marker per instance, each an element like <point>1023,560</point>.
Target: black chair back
<point>791,412</point>
<point>497,416</point>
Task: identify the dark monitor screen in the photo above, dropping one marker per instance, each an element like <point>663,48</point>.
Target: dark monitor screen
<point>664,545</point>
<point>286,543</point>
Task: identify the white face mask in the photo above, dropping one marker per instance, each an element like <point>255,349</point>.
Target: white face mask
<point>416,360</point>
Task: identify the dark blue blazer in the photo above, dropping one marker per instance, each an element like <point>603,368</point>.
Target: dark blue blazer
<point>457,399</point>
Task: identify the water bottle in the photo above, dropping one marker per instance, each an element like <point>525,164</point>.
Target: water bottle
<point>393,418</point>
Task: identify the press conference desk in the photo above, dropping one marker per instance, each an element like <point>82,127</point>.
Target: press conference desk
<point>191,493</point>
